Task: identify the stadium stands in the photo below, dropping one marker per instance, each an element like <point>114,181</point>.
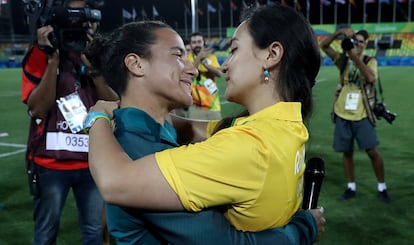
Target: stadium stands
<point>395,49</point>
<point>390,49</point>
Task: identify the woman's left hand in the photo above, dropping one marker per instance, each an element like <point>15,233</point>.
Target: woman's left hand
<point>318,214</point>
<point>105,106</point>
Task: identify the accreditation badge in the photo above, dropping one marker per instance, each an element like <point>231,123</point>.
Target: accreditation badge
<point>351,103</point>
<point>73,110</point>
<point>210,86</point>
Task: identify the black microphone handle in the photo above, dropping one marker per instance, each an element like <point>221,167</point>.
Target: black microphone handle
<point>313,177</point>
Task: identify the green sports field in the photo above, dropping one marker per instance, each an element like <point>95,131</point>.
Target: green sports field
<point>362,221</point>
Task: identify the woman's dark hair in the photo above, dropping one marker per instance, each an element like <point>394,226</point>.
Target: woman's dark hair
<point>301,58</point>
<point>107,53</point>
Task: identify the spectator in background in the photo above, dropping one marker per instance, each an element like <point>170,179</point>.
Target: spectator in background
<point>355,98</point>
<point>206,100</point>
<point>57,149</point>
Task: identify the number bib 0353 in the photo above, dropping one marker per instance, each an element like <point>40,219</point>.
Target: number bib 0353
<point>67,141</point>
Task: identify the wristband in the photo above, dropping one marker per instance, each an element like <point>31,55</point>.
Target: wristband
<point>91,118</point>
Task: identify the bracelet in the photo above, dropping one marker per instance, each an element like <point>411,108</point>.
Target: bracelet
<point>91,118</point>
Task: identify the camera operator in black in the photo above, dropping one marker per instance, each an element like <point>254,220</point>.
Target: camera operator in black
<point>54,81</point>
<point>354,100</point>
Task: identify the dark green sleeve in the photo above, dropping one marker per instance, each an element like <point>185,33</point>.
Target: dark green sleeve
<point>210,227</point>
<point>301,230</point>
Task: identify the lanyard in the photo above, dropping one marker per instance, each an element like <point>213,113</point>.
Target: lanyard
<point>353,75</point>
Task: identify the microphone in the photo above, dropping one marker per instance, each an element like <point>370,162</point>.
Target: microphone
<point>314,173</point>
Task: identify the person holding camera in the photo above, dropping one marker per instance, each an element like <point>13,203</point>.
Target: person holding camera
<point>353,106</point>
<point>58,87</point>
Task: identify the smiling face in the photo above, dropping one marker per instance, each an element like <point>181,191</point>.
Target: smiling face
<point>196,44</point>
<point>168,72</point>
<point>361,43</point>
<point>243,68</point>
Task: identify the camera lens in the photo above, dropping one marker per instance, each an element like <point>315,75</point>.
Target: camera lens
<point>389,116</point>
<point>347,44</point>
<point>381,111</point>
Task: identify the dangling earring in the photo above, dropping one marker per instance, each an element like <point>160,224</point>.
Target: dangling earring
<point>266,75</point>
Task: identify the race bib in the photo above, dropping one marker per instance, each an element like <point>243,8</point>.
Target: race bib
<point>210,86</point>
<point>67,141</point>
<point>351,102</point>
<point>73,110</point>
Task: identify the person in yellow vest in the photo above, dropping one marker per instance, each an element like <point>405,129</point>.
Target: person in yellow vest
<point>353,116</point>
<point>204,90</point>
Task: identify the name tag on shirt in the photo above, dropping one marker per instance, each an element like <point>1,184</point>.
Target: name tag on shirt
<point>73,110</point>
<point>211,86</point>
<point>67,141</point>
<point>351,102</point>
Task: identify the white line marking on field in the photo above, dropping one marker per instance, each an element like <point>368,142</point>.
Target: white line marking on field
<point>12,145</point>
<point>12,152</point>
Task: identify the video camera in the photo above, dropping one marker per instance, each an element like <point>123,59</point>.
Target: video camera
<point>70,33</point>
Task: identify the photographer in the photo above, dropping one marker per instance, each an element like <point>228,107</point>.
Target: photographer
<point>58,87</point>
<point>206,99</point>
<point>355,97</point>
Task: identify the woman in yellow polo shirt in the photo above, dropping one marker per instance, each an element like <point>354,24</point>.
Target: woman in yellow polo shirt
<point>255,167</point>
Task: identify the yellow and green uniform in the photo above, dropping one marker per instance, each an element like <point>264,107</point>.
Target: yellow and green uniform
<point>204,98</point>
<point>255,167</point>
<point>352,87</point>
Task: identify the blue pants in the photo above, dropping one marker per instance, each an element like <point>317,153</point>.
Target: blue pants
<point>54,186</point>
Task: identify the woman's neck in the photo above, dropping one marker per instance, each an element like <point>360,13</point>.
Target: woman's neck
<point>261,98</point>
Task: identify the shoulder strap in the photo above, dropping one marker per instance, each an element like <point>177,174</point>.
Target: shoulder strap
<point>366,59</point>
<point>380,89</point>
<point>344,61</point>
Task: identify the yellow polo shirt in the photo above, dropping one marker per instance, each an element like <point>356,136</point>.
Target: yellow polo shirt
<point>352,88</point>
<point>255,167</point>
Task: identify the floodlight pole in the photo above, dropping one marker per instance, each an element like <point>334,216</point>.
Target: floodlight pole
<point>194,15</point>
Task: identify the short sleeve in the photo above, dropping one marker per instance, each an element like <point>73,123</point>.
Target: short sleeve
<point>373,65</point>
<point>34,66</point>
<point>198,175</point>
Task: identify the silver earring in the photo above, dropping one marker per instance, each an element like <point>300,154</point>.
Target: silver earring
<point>266,75</point>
